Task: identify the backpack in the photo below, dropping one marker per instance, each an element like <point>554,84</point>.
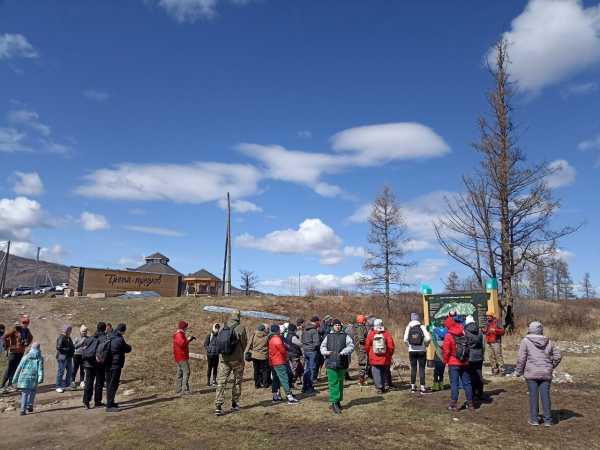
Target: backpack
<point>103,351</point>
<point>226,341</point>
<point>462,348</point>
<point>416,336</point>
<point>379,344</point>
<point>89,351</point>
<point>211,348</point>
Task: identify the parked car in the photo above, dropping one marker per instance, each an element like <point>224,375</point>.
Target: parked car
<point>61,287</point>
<point>21,290</point>
<point>44,289</point>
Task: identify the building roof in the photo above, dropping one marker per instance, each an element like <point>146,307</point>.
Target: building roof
<point>203,273</point>
<point>155,267</point>
<point>156,255</point>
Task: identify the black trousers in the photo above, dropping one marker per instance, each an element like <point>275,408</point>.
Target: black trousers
<point>77,365</point>
<point>261,369</point>
<point>417,358</point>
<point>97,375</point>
<point>475,371</point>
<point>211,370</point>
<point>13,362</point>
<point>113,378</point>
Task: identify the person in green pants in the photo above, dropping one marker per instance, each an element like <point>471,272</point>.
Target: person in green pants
<point>336,348</point>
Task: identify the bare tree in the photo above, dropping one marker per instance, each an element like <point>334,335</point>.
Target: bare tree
<point>587,288</point>
<point>249,280</point>
<point>504,217</point>
<point>384,263</point>
<point>452,282</point>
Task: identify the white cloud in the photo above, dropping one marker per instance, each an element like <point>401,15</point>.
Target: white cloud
<point>359,252</point>
<point>154,230</point>
<point>580,89</point>
<point>16,46</point>
<point>590,144</point>
<point>28,119</point>
<point>320,281</point>
<point>417,245</point>
<point>128,261</point>
<point>11,140</point>
<point>190,11</point>
<point>550,41</point>
<point>563,174</point>
<point>98,96</point>
<point>25,249</point>
<point>93,222</point>
<point>28,183</point>
<point>564,255</point>
<point>362,214</point>
<point>240,206</point>
<point>312,237</point>
<point>304,134</point>
<point>181,183</point>
<point>377,144</point>
<point>18,216</point>
<point>427,270</point>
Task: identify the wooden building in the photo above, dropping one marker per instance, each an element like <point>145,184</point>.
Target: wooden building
<point>201,282</point>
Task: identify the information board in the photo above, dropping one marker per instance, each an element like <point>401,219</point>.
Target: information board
<point>469,303</point>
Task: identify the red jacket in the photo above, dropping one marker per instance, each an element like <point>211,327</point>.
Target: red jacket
<point>492,332</point>
<point>278,353</point>
<point>449,344</point>
<point>380,360</point>
<point>181,346</point>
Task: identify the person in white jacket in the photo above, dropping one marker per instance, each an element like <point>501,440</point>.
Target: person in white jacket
<point>417,338</point>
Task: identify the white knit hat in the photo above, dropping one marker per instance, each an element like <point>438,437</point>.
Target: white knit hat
<point>469,320</point>
<point>83,329</point>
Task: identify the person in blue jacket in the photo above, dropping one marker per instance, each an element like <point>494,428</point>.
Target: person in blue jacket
<point>439,333</point>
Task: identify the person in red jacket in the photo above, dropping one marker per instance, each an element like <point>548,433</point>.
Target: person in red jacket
<point>278,360</point>
<point>493,337</point>
<point>380,348</point>
<point>181,354</point>
<point>458,368</point>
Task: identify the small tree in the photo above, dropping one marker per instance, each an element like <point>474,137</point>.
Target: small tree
<point>248,281</point>
<point>384,263</point>
<point>452,282</point>
<point>587,288</point>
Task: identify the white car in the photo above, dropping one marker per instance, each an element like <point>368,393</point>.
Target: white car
<point>44,289</point>
<point>61,287</point>
<point>21,290</point>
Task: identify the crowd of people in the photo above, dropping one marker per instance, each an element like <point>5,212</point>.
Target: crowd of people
<point>287,357</point>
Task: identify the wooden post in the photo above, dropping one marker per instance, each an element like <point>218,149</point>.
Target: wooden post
<point>4,269</point>
<point>228,246</point>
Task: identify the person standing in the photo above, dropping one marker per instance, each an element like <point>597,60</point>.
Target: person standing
<point>259,352</point>
<point>16,342</point>
<point>417,338</point>
<point>455,353</point>
<point>28,375</point>
<point>310,346</point>
<point>294,346</point>
<point>2,331</point>
<point>80,342</point>
<point>65,349</point>
<point>212,355</point>
<point>231,342</point>
<point>118,349</point>
<point>95,372</point>
<point>336,349</point>
<point>181,354</point>
<point>360,339</point>
<point>278,361</point>
<point>493,337</point>
<point>439,367</point>
<point>380,348</point>
<point>538,357</point>
<point>476,353</point>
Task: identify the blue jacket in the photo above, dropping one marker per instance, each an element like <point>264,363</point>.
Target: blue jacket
<point>30,371</point>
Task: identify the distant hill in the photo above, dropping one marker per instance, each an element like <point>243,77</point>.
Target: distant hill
<point>21,272</point>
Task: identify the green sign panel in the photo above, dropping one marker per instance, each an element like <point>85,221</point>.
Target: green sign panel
<point>466,304</point>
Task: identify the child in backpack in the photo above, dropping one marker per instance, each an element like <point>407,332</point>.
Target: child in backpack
<point>538,357</point>
<point>455,356</point>
<point>28,375</point>
<point>380,348</point>
<point>417,338</point>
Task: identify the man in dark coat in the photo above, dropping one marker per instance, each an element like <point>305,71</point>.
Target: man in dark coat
<point>118,349</point>
<point>94,372</point>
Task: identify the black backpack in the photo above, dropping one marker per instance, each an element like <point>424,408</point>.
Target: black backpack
<point>226,341</point>
<point>415,335</point>
<point>211,348</point>
<point>462,348</point>
<point>89,352</point>
<point>103,351</point>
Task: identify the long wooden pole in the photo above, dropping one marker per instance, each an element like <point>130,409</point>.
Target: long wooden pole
<point>228,245</point>
<point>4,269</point>
<point>225,261</point>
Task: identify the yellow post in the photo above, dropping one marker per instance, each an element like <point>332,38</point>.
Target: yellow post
<point>491,287</point>
<point>426,291</point>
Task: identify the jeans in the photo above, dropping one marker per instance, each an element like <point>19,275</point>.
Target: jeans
<point>64,379</point>
<point>211,370</point>
<point>539,389</point>
<point>27,398</point>
<point>475,371</point>
<point>310,368</point>
<point>77,361</point>
<point>182,382</point>
<point>98,375</point>
<point>417,358</point>
<point>113,378</point>
<point>13,362</point>
<point>460,374</point>
<point>438,370</point>
<point>380,376</point>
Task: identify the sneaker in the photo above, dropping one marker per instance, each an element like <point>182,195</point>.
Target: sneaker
<point>112,409</point>
<point>87,405</point>
<point>452,407</point>
<point>380,391</point>
<point>413,389</point>
<point>99,405</point>
<point>335,408</point>
<point>235,407</point>
<point>60,390</point>
<point>22,413</point>
<point>548,423</point>
<point>82,385</point>
<point>219,411</point>
<point>424,390</point>
<point>339,405</point>
<point>291,400</point>
<point>30,409</point>
<point>533,423</point>
<point>277,398</point>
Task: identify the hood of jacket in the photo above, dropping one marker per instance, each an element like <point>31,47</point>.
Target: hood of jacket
<point>538,340</point>
<point>310,326</point>
<point>413,323</point>
<point>34,353</point>
<point>453,327</point>
<point>473,329</point>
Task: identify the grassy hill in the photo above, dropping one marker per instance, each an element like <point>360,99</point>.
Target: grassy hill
<point>22,272</point>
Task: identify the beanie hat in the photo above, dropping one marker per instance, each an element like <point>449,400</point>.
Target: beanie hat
<point>414,317</point>
<point>83,328</point>
<point>536,327</point>
<point>299,322</point>
<point>260,327</point>
<point>337,322</point>
<point>275,328</point>
<point>101,327</point>
<point>292,329</point>
<point>67,328</point>
<point>182,325</point>
<point>327,317</point>
<point>469,320</point>
<point>378,324</point>
<point>121,328</point>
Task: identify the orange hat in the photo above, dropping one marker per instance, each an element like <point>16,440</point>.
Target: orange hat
<point>360,319</point>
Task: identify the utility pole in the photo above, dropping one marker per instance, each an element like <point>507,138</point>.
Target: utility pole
<point>37,269</point>
<point>298,284</point>
<point>226,284</point>
<point>4,268</point>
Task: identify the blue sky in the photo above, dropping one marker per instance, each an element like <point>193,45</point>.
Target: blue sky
<point>123,124</point>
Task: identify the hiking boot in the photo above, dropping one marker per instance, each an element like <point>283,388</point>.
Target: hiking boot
<point>99,404</point>
<point>112,409</point>
<point>291,400</point>
<point>219,411</point>
<point>235,407</point>
<point>335,408</point>
<point>22,413</point>
<point>339,405</point>
<point>452,407</point>
<point>533,423</point>
<point>30,409</point>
